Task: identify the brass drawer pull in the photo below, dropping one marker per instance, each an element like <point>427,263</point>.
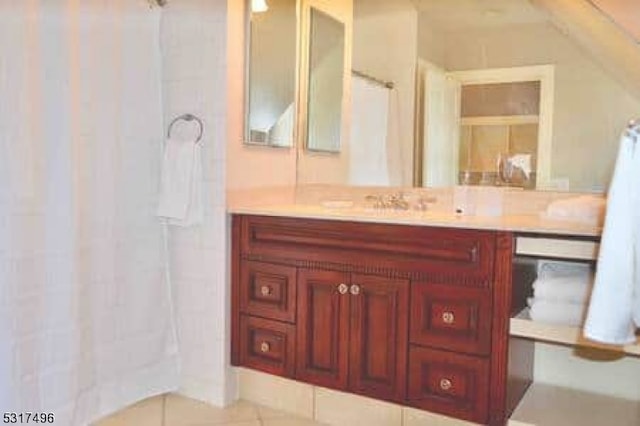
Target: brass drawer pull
<point>448,317</point>
<point>355,289</point>
<point>445,384</point>
<point>265,347</point>
<point>265,290</point>
<point>343,288</point>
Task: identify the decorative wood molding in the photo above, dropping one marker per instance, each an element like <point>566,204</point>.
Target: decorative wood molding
<point>370,269</point>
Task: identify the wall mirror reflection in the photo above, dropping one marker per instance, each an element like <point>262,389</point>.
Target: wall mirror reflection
<point>325,86</point>
<point>488,127</point>
<point>271,73</point>
<point>499,136</point>
<point>439,130</point>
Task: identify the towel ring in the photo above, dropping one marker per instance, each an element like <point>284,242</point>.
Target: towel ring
<point>187,117</point>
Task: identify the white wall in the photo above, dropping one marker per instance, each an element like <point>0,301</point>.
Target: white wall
<point>194,35</point>
<point>431,44</point>
<point>590,108</point>
<point>385,45</point>
<point>594,371</point>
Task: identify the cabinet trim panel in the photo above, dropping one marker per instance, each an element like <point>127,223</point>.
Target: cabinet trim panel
<point>460,257</point>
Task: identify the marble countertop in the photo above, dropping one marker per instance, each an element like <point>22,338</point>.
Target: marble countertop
<point>521,211</point>
<point>517,223</point>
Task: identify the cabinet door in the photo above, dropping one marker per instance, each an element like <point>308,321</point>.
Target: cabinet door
<point>323,328</point>
<point>379,336</point>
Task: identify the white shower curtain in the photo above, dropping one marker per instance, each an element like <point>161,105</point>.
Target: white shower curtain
<point>85,307</point>
<point>368,157</point>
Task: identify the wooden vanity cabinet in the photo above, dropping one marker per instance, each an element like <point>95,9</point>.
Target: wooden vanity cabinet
<point>352,332</point>
<point>409,314</point>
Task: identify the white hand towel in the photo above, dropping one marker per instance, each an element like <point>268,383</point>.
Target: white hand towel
<point>573,289</point>
<point>181,191</point>
<point>614,309</point>
<point>559,313</point>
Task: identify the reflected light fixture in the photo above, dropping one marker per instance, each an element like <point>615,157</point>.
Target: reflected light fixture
<point>258,6</point>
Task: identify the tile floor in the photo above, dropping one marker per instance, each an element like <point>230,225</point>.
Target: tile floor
<point>175,410</point>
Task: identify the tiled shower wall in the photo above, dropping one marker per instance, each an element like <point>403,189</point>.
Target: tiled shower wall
<point>194,36</point>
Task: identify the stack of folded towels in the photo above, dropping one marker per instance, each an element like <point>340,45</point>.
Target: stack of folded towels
<point>561,293</point>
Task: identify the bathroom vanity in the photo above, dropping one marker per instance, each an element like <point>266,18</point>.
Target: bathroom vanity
<point>418,310</point>
<point>414,315</point>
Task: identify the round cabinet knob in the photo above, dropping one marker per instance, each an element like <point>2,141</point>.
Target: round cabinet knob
<point>265,347</point>
<point>343,289</point>
<point>265,290</point>
<point>445,384</point>
<point>448,317</point>
<point>355,289</point>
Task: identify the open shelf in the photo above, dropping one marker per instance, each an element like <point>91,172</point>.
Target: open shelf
<point>546,405</point>
<point>523,326</point>
<point>558,248</point>
<point>501,120</point>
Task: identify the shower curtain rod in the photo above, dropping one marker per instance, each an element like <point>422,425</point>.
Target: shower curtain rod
<point>388,84</point>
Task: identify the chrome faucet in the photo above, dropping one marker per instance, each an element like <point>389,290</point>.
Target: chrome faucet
<point>389,201</point>
<point>397,201</point>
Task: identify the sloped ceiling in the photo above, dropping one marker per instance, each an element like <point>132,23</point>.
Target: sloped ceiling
<point>608,29</point>
<point>625,13</point>
<point>597,33</point>
<point>460,15</point>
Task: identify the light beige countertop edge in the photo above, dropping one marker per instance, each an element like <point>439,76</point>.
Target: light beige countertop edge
<point>513,223</point>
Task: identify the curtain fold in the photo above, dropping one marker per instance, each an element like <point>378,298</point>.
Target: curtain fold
<point>86,322</point>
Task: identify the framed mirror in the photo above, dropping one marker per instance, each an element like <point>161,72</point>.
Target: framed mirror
<point>271,74</point>
<point>326,82</point>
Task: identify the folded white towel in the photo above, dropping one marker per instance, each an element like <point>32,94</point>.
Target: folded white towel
<point>555,269</point>
<point>560,313</point>
<point>181,191</point>
<point>573,289</point>
<point>585,208</point>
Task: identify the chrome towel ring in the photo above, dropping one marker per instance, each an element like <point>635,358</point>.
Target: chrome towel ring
<point>187,117</point>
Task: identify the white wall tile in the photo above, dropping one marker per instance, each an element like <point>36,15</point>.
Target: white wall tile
<point>194,49</point>
<point>339,408</point>
<point>413,417</point>
<point>275,392</point>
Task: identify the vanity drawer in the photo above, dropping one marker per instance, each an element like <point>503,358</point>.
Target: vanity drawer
<point>459,257</point>
<point>451,318</point>
<point>268,346</point>
<point>268,291</point>
<point>448,383</point>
